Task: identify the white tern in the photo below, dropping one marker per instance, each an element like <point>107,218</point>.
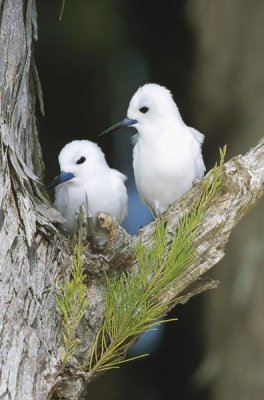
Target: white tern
<point>167,157</point>
<point>87,179</point>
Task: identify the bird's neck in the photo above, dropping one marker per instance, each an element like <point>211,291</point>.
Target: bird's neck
<point>169,129</point>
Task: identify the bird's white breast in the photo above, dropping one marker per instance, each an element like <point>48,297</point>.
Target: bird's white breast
<point>165,168</point>
<point>104,191</point>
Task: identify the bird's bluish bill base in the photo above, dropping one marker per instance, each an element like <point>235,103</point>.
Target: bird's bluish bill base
<point>63,177</point>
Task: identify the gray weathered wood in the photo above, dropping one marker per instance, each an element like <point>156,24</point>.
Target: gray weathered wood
<point>34,256</point>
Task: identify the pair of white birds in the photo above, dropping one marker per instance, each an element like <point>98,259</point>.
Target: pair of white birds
<point>167,160</point>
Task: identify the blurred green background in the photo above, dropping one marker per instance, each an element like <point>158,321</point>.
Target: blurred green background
<point>210,54</point>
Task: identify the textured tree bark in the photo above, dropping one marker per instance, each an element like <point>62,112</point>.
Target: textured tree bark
<point>35,255</point>
<point>29,266</point>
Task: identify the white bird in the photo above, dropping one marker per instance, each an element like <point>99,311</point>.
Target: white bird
<point>167,157</point>
<point>87,179</point>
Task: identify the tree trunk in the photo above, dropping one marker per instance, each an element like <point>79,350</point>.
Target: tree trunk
<point>35,256</point>
<point>29,324</point>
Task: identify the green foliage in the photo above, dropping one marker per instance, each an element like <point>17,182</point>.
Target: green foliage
<point>131,301</point>
<point>72,304</point>
<point>129,312</point>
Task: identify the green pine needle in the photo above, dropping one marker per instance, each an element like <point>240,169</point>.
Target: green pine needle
<point>72,304</point>
<point>62,9</point>
<point>131,300</point>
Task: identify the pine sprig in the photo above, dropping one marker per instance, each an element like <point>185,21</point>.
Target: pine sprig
<point>72,303</point>
<point>131,305</point>
<point>129,312</point>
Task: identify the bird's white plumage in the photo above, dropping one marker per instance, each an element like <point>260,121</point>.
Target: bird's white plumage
<point>94,185</point>
<point>167,156</point>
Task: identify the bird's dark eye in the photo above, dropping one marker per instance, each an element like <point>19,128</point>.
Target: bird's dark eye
<point>144,110</point>
<point>81,160</point>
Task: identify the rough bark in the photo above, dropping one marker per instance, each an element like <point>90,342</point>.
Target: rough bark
<point>29,266</point>
<point>35,255</point>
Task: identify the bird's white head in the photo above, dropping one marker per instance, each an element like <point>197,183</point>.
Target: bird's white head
<point>78,160</point>
<point>151,107</point>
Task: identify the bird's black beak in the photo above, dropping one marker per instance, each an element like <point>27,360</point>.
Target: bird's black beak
<point>63,177</point>
<point>126,122</point>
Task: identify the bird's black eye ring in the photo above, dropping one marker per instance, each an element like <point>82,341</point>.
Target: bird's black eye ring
<point>81,160</point>
<point>144,110</point>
